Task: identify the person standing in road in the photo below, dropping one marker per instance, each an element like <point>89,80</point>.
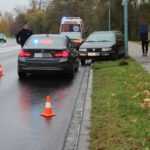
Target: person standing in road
<point>23,34</point>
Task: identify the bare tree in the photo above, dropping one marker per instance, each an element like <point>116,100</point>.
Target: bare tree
<point>39,4</point>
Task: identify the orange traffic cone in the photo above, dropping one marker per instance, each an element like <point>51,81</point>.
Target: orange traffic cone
<point>48,110</point>
<point>1,72</point>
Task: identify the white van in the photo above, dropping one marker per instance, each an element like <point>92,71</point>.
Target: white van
<point>72,24</point>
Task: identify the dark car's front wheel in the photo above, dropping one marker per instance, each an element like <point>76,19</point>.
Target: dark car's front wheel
<point>77,65</point>
<point>114,56</point>
<point>22,75</point>
<point>83,62</point>
<point>70,73</point>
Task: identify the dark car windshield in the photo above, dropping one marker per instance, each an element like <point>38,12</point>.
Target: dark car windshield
<point>101,37</point>
<point>45,42</point>
<point>73,35</point>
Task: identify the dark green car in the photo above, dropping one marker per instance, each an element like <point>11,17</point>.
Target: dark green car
<point>3,38</point>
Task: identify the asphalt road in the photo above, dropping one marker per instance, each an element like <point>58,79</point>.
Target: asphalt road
<point>10,42</point>
<point>21,103</point>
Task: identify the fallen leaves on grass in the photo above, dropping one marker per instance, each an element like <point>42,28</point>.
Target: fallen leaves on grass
<point>113,94</point>
<point>136,75</point>
<point>147,92</point>
<point>146,103</point>
<point>136,95</point>
<point>130,140</point>
<point>143,85</point>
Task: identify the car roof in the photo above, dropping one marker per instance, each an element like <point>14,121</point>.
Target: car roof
<point>110,32</point>
<point>70,33</point>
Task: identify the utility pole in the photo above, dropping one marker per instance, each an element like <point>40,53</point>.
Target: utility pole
<point>109,15</point>
<point>125,2</point>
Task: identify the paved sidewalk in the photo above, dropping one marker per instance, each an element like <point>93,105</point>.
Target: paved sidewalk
<point>135,51</point>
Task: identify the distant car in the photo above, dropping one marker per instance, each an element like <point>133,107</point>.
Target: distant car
<point>45,53</point>
<point>101,44</point>
<point>3,38</point>
<point>76,38</point>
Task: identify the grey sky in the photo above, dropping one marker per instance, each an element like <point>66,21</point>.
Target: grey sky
<point>9,5</point>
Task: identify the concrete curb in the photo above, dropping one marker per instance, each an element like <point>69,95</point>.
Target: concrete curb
<point>83,143</point>
<point>78,124</point>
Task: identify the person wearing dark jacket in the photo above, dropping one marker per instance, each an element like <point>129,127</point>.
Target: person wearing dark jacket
<point>23,35</point>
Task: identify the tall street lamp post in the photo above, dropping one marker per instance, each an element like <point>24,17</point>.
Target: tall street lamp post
<point>126,26</point>
<point>109,16</point>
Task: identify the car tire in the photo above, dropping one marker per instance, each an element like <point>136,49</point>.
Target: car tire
<point>22,75</point>
<point>82,62</point>
<point>70,74</point>
<point>77,66</point>
<point>114,56</point>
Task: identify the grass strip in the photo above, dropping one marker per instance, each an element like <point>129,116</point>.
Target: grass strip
<point>120,117</point>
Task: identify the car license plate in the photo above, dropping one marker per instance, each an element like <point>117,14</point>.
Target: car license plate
<point>93,54</point>
<point>82,54</point>
<point>37,54</point>
<point>42,55</point>
<point>46,55</point>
